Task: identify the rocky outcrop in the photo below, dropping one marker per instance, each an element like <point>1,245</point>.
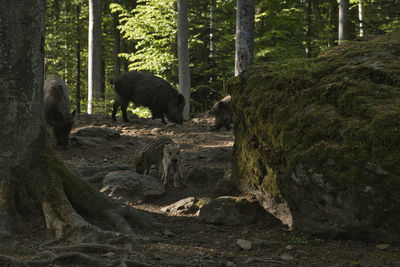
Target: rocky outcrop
<point>228,211</point>
<point>318,141</point>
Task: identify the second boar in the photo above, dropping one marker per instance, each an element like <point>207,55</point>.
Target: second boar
<point>149,91</point>
<point>222,113</point>
<point>57,109</point>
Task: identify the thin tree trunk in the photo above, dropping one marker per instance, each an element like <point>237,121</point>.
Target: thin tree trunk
<point>318,19</point>
<point>183,56</point>
<point>212,42</point>
<point>244,45</point>
<point>94,65</point>
<point>333,18</point>
<point>361,17</point>
<point>308,28</point>
<point>117,45</point>
<point>78,60</point>
<point>212,21</point>
<point>343,21</point>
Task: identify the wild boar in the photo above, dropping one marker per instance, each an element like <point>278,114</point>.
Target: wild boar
<point>149,91</point>
<point>222,113</point>
<point>57,109</point>
<point>151,154</point>
<point>172,165</point>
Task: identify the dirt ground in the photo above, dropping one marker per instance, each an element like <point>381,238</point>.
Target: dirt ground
<point>182,240</point>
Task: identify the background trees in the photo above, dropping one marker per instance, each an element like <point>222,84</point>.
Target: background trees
<point>148,38</point>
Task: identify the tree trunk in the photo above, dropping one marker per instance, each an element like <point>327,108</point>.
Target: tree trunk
<point>333,18</point>
<point>308,28</point>
<point>244,50</point>
<point>94,47</point>
<point>212,21</point>
<point>318,18</point>
<point>343,21</point>
<point>35,187</point>
<point>78,60</point>
<point>361,17</point>
<point>183,56</point>
<point>117,45</point>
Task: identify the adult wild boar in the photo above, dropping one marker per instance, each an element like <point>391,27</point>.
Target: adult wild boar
<point>149,91</point>
<point>222,113</point>
<point>57,109</point>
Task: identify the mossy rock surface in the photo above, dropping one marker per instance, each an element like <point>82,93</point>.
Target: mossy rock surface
<point>318,141</point>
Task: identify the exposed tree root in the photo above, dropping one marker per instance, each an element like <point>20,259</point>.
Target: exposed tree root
<point>82,220</point>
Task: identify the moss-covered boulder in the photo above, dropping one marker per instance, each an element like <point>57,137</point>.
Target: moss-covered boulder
<point>318,141</point>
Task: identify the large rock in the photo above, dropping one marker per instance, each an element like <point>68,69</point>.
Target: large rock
<point>228,211</point>
<point>131,186</point>
<point>106,133</point>
<point>318,141</point>
<point>184,206</point>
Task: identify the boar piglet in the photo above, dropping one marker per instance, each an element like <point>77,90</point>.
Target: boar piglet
<point>172,165</point>
<point>222,113</point>
<point>57,109</point>
<point>151,154</point>
<point>149,91</point>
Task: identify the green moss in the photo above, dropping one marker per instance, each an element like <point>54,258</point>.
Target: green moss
<point>337,115</point>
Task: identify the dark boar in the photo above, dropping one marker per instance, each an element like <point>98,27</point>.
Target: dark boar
<point>149,91</point>
<point>222,113</point>
<point>57,109</point>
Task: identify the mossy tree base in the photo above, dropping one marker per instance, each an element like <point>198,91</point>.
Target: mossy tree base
<point>319,140</point>
<point>46,193</point>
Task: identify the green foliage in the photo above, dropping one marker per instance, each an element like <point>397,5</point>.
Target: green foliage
<point>152,26</point>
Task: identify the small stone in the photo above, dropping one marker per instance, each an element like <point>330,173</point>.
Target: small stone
<point>118,148</point>
<point>289,247</point>
<point>266,244</point>
<point>155,131</point>
<point>244,244</point>
<point>382,246</point>
<point>110,254</point>
<point>230,264</point>
<point>168,233</point>
<point>286,257</point>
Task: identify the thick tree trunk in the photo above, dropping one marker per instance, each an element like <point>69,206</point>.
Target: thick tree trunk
<point>244,51</point>
<point>183,56</point>
<point>94,65</point>
<point>343,21</point>
<point>35,186</point>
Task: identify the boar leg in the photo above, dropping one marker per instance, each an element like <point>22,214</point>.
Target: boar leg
<point>124,106</point>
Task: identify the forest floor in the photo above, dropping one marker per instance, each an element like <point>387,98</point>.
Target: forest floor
<point>184,241</point>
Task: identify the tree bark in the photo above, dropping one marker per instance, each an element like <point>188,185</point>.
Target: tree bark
<point>94,46</point>
<point>308,28</point>
<point>361,17</point>
<point>318,18</point>
<point>78,60</point>
<point>117,44</point>
<point>244,50</point>
<point>183,56</point>
<point>343,21</point>
<point>333,18</point>
<point>35,187</point>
